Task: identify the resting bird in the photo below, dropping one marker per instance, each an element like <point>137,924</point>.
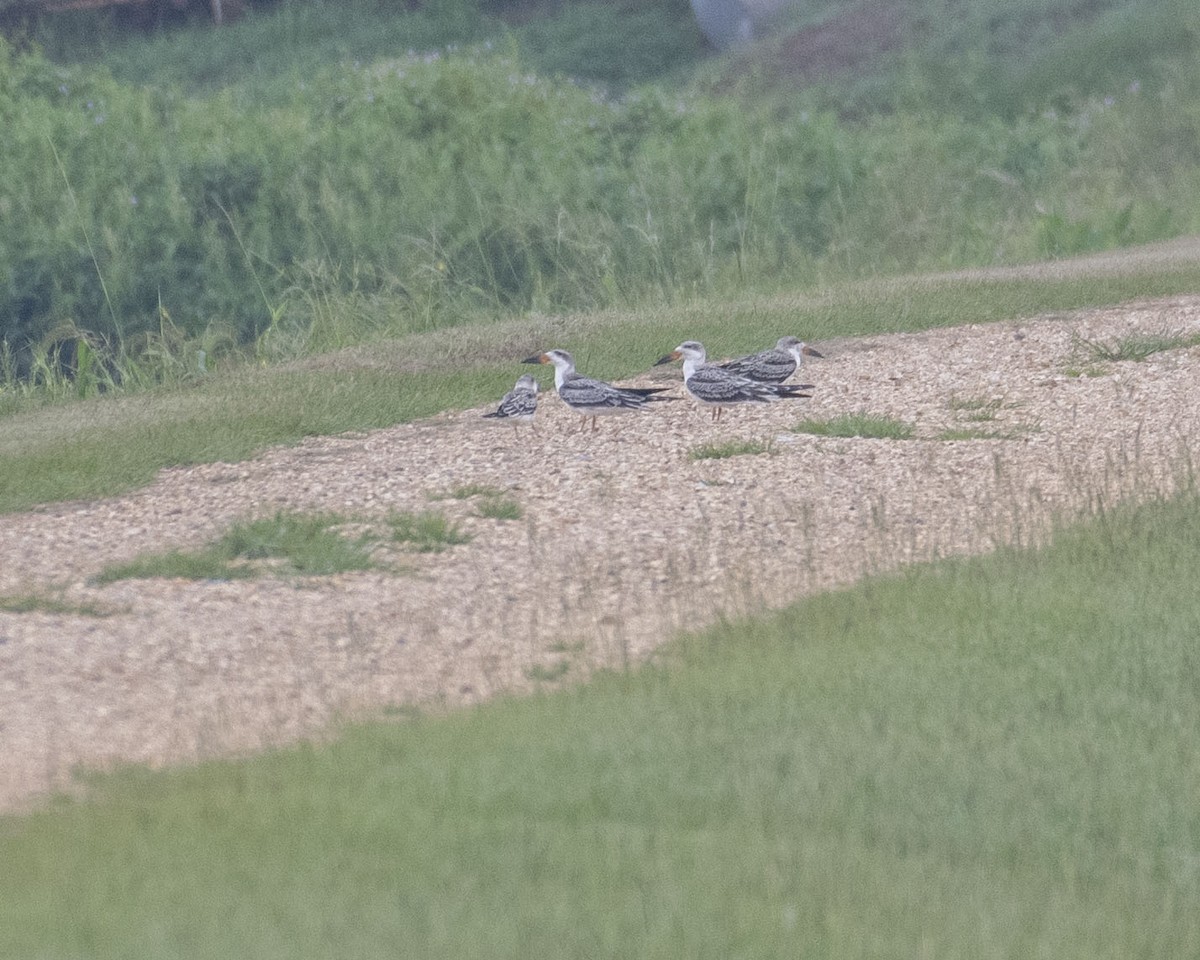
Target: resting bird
<point>519,404</point>
<point>775,365</point>
<point>592,398</point>
<point>718,388</point>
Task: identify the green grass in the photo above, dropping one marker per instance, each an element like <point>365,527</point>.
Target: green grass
<point>1091,370</point>
<point>500,508</point>
<point>978,420</point>
<point>541,673</point>
<point>291,543</point>
<point>63,451</point>
<point>982,433</point>
<point>975,409</point>
<point>334,200</point>
<point>427,532</point>
<point>992,757</point>
<point>733,448</point>
<point>466,491</point>
<point>41,603</point>
<point>1136,346</point>
<point>857,425</point>
<point>616,44</point>
<point>287,543</point>
<point>66,452</point>
<point>984,58</point>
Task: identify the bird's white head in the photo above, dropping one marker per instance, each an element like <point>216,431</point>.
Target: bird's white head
<point>691,352</point>
<point>563,363</point>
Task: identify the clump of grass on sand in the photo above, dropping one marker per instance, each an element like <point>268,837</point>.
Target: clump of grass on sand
<point>500,508</point>
<point>857,425</point>
<point>734,448</point>
<point>291,543</point>
<point>427,532</point>
<point>1135,346</point>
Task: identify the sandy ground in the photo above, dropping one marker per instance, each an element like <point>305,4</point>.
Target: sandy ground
<point>624,539</point>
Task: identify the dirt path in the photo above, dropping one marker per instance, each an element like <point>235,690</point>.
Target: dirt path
<point>624,540</point>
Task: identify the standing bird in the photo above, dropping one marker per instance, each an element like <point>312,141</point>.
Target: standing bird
<point>775,365</point>
<point>718,388</point>
<point>592,398</point>
<point>519,404</point>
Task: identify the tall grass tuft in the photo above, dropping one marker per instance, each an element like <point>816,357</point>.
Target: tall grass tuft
<point>1135,346</point>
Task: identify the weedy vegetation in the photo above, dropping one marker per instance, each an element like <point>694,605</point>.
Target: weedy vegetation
<point>1135,346</point>
<point>294,544</point>
<point>500,508</point>
<point>857,425</point>
<point>541,673</point>
<point>466,491</point>
<point>44,603</point>
<point>975,409</point>
<point>160,197</point>
<point>51,451</point>
<point>983,433</point>
<point>426,532</point>
<point>733,448</point>
<point>286,543</point>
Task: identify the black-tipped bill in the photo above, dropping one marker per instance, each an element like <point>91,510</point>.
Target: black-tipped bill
<point>537,358</point>
<point>813,352</point>
<point>669,358</point>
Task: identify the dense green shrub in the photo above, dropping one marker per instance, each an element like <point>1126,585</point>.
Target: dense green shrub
<point>450,180</point>
<point>422,190</point>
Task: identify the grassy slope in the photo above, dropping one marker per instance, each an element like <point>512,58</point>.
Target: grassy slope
<point>986,758</point>
<point>67,452</point>
<point>105,446</point>
<point>968,57</point>
<point>616,44</point>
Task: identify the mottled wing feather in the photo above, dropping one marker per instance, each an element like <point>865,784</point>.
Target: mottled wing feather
<point>583,393</point>
<point>517,404</point>
<point>770,366</point>
<point>714,385</point>
<point>644,391</point>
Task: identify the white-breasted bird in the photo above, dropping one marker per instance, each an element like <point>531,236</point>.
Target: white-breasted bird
<point>519,404</point>
<point>774,365</point>
<point>589,397</point>
<point>717,388</point>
